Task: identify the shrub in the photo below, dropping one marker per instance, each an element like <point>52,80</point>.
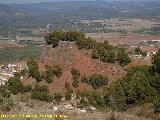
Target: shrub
<point>122,57</point>
<point>15,85</point>
<point>156,105</point>
<point>144,54</point>
<point>75,74</point>
<point>57,70</point>
<point>34,69</point>
<point>85,93</point>
<point>4,92</point>
<point>49,70</point>
<point>54,37</point>
<point>28,88</point>
<point>104,52</point>
<point>95,99</point>
<point>84,79</point>
<point>37,76</point>
<point>78,94</point>
<point>67,86</point>
<point>86,43</point>
<point>6,104</point>
<point>83,103</point>
<point>57,97</point>
<point>23,72</point>
<point>134,87</point>
<point>68,95</point>
<point>42,88</point>
<point>75,83</point>
<point>49,80</point>
<point>98,81</point>
<point>138,51</point>
<point>41,93</point>
<point>48,74</point>
<point>155,82</point>
<point>95,54</point>
<point>156,62</point>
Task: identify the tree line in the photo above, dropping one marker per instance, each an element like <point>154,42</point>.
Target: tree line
<point>102,51</point>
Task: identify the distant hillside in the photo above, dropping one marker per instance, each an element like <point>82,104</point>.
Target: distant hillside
<point>38,1</point>
<point>91,9</point>
<point>6,10</point>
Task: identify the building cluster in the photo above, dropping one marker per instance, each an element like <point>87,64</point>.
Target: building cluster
<point>49,27</point>
<point>7,71</point>
<point>27,41</point>
<point>151,47</point>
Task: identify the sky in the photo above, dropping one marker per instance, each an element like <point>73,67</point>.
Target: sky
<point>38,1</point>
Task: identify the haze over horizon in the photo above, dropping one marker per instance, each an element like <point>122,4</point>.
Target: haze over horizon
<point>38,1</point>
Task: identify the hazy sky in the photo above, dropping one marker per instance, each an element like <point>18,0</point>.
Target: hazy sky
<point>37,1</point>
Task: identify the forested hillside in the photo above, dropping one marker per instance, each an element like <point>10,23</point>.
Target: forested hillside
<point>75,65</point>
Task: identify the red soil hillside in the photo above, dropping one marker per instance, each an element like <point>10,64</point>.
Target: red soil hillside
<point>69,56</point>
<point>137,61</point>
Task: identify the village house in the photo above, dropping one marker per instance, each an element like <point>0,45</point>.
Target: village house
<point>26,41</point>
<point>7,71</point>
<point>3,81</point>
<point>150,49</point>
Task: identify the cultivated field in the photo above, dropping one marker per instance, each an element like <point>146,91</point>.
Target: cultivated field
<point>124,24</point>
<point>7,43</point>
<point>131,39</point>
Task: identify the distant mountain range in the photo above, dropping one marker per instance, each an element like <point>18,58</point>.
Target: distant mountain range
<point>38,1</point>
<point>84,9</point>
<point>4,9</point>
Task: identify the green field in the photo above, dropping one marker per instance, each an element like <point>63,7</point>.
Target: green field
<point>12,54</point>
